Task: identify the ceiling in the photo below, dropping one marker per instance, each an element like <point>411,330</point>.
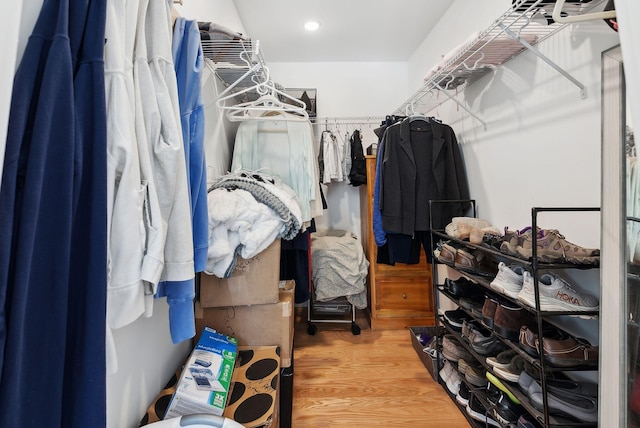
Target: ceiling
<point>351,30</point>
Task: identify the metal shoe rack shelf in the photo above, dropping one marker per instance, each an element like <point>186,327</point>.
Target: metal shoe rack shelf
<point>533,265</point>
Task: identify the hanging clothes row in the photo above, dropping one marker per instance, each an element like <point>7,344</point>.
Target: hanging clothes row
<point>157,188</point>
<point>342,159</point>
<point>418,160</point>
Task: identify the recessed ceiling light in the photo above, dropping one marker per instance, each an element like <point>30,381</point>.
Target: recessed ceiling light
<point>311,25</point>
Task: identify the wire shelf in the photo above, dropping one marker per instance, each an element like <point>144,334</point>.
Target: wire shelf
<point>238,62</point>
<point>521,27</point>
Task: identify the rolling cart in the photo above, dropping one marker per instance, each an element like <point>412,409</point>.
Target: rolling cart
<point>339,268</point>
<point>335,310</point>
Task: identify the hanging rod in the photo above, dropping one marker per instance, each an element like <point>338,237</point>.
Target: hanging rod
<point>347,120</point>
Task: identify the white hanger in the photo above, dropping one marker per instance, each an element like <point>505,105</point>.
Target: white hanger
<point>557,10</point>
<point>266,106</point>
<point>253,71</point>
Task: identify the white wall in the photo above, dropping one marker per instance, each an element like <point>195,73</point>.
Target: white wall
<point>346,89</point>
<point>542,144</point>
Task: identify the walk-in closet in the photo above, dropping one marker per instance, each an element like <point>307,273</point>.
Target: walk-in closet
<point>275,213</point>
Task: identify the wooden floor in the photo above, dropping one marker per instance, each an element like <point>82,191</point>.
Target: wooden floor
<point>374,379</point>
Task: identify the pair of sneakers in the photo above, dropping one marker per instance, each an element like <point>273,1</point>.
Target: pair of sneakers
<point>551,247</point>
<point>556,294</point>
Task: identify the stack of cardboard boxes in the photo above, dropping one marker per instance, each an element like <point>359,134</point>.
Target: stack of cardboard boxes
<point>255,309</point>
<point>253,306</point>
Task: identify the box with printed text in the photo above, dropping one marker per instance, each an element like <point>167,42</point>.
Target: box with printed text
<point>205,379</point>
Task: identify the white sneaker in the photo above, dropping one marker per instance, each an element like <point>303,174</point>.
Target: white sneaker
<point>555,295</point>
<point>446,370</point>
<point>509,279</point>
<point>453,383</point>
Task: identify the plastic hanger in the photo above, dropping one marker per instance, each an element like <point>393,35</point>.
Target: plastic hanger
<point>268,105</point>
<point>557,15</point>
<point>413,116</point>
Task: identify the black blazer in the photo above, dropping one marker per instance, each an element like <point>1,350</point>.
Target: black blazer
<point>421,162</point>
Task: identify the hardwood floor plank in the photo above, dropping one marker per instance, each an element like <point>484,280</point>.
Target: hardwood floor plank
<point>373,379</point>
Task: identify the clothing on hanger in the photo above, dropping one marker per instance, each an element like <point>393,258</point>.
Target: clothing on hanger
<point>418,161</point>
<point>358,171</point>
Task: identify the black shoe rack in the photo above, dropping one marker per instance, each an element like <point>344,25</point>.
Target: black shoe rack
<point>533,265</point>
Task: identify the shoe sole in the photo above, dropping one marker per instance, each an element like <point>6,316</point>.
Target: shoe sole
<point>549,304</point>
<point>506,375</point>
<point>450,357</point>
<point>481,417</point>
<point>462,401</point>
<point>568,362</point>
<point>495,364</point>
<point>505,289</point>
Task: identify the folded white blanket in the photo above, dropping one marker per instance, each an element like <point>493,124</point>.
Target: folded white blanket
<point>238,224</point>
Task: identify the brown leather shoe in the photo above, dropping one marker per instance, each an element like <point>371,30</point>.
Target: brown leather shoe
<point>528,338</point>
<point>489,310</point>
<point>528,341</point>
<point>447,254</point>
<point>475,262</point>
<point>569,352</point>
<point>508,319</point>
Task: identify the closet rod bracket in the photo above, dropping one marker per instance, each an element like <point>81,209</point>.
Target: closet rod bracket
<point>535,51</point>
<point>451,97</point>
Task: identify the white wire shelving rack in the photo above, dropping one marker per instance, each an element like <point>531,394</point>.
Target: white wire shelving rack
<point>525,24</point>
<point>238,63</point>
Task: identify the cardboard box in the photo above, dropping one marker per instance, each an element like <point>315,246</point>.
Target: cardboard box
<point>255,325</point>
<point>253,282</point>
<point>255,375</point>
<point>206,377</point>
<point>254,391</point>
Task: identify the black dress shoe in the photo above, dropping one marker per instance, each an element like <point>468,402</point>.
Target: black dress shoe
<point>463,287</point>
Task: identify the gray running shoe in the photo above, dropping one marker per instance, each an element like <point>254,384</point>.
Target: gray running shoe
<point>583,408</point>
<point>508,281</point>
<point>453,350</point>
<point>556,295</point>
